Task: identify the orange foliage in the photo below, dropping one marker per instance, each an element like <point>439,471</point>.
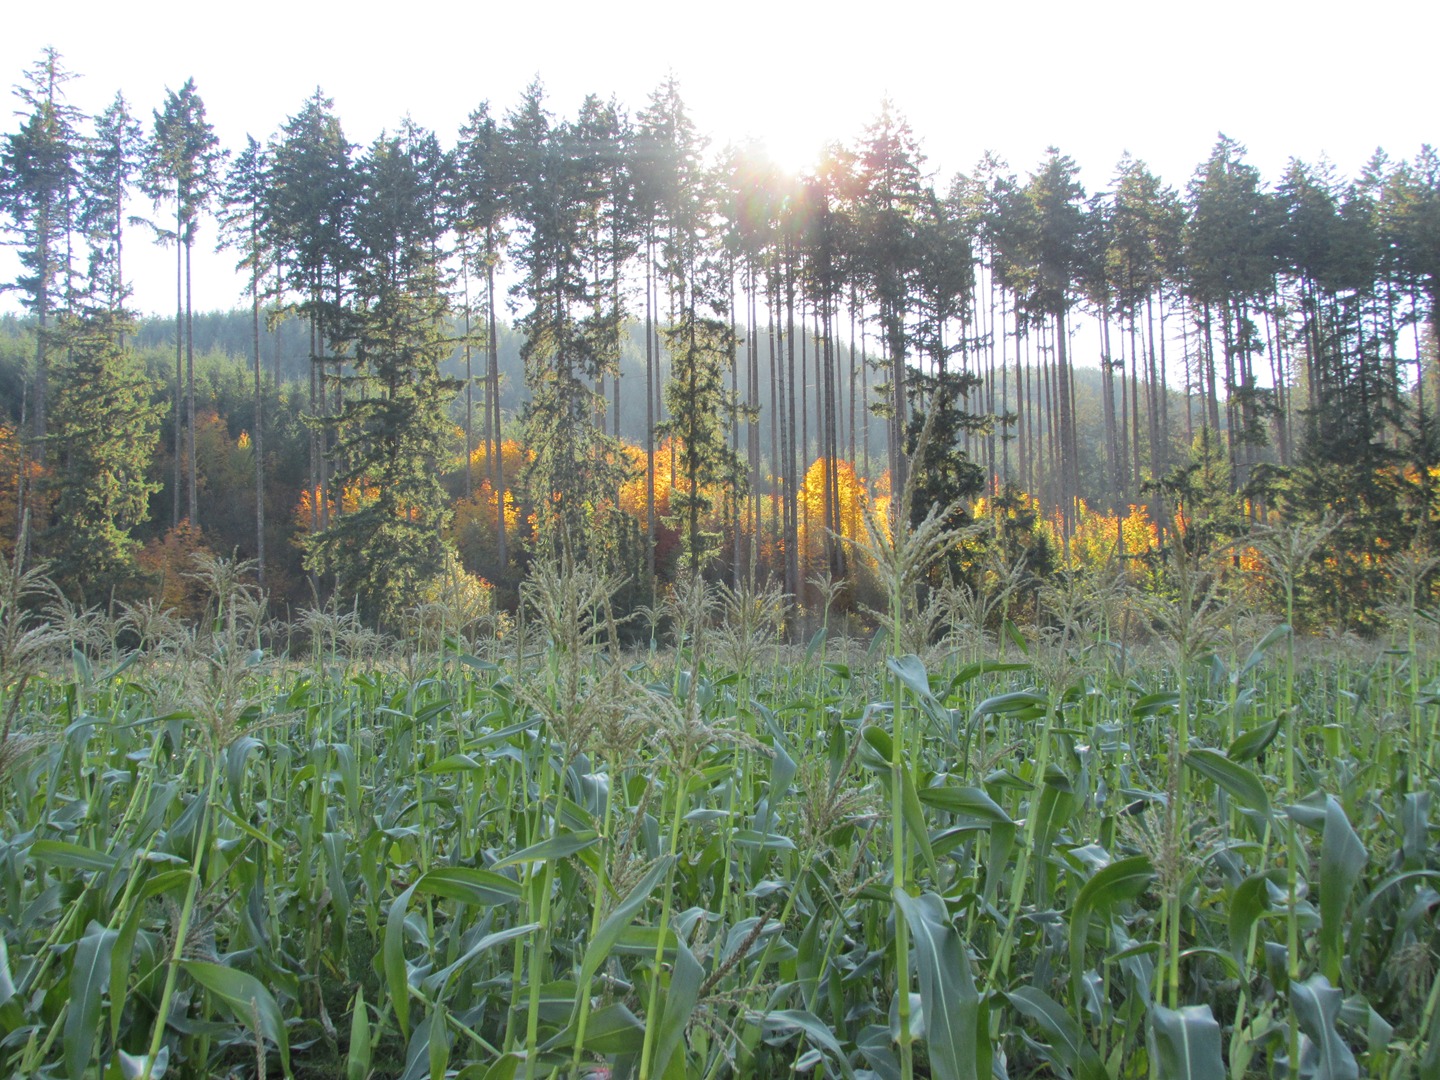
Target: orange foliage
<point>513,459</point>
<point>38,498</point>
<point>1100,537</point>
<point>632,491</point>
<point>351,499</point>
<point>169,562</point>
<point>812,500</point>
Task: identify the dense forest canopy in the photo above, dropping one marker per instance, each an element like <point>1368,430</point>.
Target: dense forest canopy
<point>592,334</point>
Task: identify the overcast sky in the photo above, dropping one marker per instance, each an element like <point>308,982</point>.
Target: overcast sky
<point>1156,78</point>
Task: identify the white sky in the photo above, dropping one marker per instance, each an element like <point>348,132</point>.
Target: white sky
<point>1157,78</point>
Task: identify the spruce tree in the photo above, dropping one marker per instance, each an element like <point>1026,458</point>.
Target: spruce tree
<point>182,162</point>
<point>574,468</point>
<point>311,207</point>
<point>243,222</point>
<point>391,432</point>
<point>110,164</point>
<point>38,182</point>
<point>104,428</point>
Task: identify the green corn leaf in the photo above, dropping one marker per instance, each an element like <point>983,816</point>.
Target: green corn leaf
<point>136,1066</point>
<point>910,670</point>
<point>876,754</point>
<point>1249,902</point>
<point>236,754</point>
<point>426,1044</point>
<point>611,1030</point>
<point>1316,1005</point>
<point>392,956</point>
<point>437,985</point>
<point>971,802</point>
<point>1111,885</point>
<point>1257,655</point>
<point>1342,861</point>
<point>1252,743</point>
<point>812,1027</point>
<point>560,846</point>
<point>89,976</point>
<point>505,1066</point>
<point>469,885</point>
<point>71,856</point>
<point>983,667</point>
<point>1239,782</point>
<point>1017,701</point>
<point>357,1061</point>
<point>958,1049</point>
<point>1067,1043</point>
<point>679,1006</point>
<point>1185,1043</point>
<point>1151,704</point>
<point>246,997</point>
<point>7,982</point>
<point>439,1043</point>
<point>616,922</point>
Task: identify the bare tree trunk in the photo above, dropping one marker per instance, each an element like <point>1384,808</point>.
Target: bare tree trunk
<point>257,440</point>
<point>492,421</point>
<point>192,500</point>
<point>177,417</point>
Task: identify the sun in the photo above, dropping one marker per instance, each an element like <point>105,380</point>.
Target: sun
<point>793,152</point>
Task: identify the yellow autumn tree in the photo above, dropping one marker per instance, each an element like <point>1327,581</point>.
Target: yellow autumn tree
<point>851,509</point>
<point>1100,538</point>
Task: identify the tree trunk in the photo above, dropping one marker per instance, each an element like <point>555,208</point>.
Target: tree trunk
<point>192,489</point>
<point>257,440</point>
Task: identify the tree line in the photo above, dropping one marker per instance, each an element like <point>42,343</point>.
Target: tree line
<point>1261,349</point>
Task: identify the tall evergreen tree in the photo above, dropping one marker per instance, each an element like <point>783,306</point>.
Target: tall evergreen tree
<point>182,163</point>
<point>1412,219</point>
<point>391,429</point>
<point>1142,256</point>
<point>889,196</point>
<point>103,434</point>
<point>1230,264</point>
<point>1046,251</point>
<point>480,192</point>
<point>574,469</point>
<point>111,163</point>
<point>312,201</point>
<point>244,226</point>
<point>38,181</point>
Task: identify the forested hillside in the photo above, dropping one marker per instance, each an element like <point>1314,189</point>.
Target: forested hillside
<point>591,333</point>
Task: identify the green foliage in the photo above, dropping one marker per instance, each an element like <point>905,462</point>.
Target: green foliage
<point>103,435</point>
<point>387,546</point>
<point>700,410</point>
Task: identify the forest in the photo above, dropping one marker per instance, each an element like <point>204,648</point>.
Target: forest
<point>667,355</point>
<point>607,607</point>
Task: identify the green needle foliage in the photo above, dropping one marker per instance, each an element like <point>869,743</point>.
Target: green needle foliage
<point>104,430</point>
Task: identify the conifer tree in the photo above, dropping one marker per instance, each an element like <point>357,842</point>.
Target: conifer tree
<point>391,430</point>
<point>311,203</point>
<point>244,227</point>
<point>1046,250</point>
<point>1230,265</point>
<point>182,162</point>
<point>38,182</point>
<point>481,187</point>
<point>110,164</point>
<point>889,195</point>
<point>103,432</point>
<point>574,469</point>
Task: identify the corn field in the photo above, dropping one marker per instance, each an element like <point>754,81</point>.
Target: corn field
<point>1149,837</point>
